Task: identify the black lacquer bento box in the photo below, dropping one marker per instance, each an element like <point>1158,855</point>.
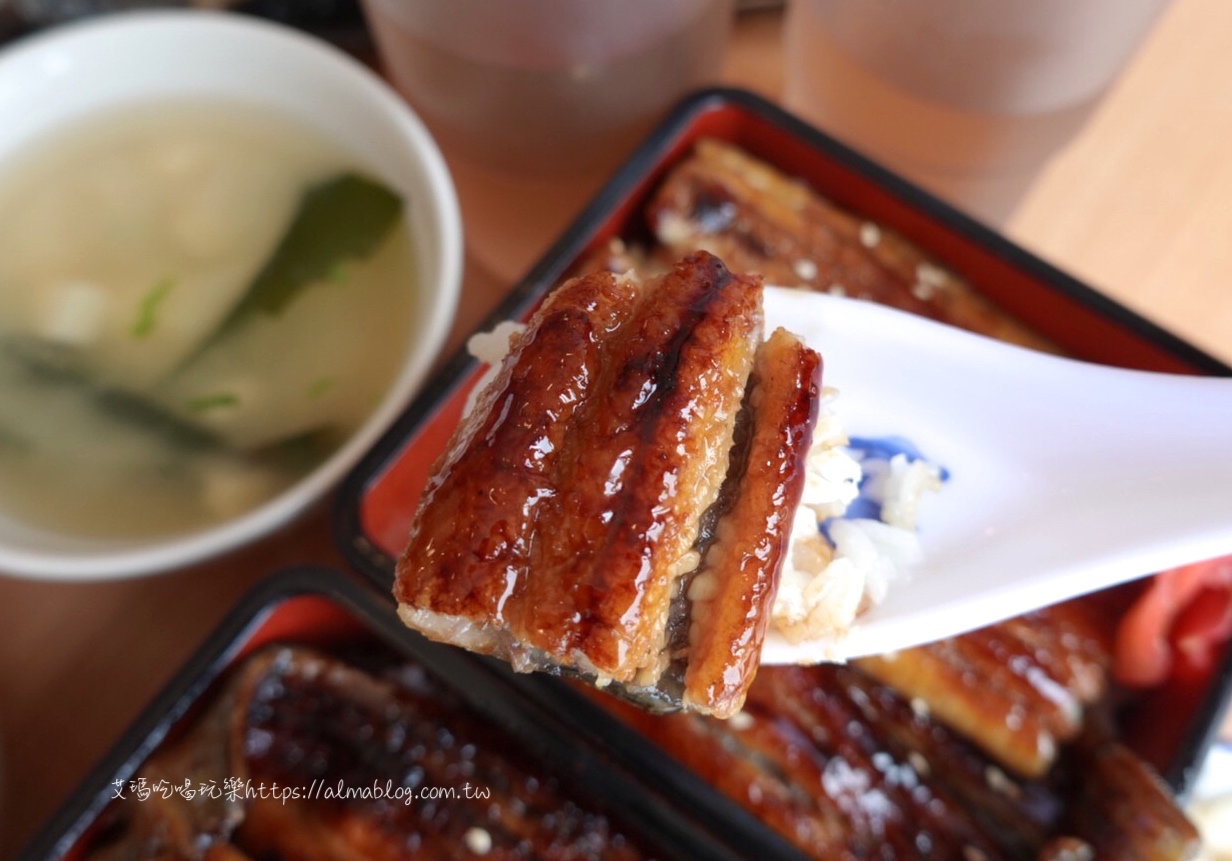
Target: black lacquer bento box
<point>326,612</point>
<point>1174,723</point>
<point>586,747</point>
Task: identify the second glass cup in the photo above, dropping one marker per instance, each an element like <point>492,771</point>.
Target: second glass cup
<point>970,98</point>
<point>534,102</point>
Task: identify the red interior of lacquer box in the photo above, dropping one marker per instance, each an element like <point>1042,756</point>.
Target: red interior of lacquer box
<point>1072,316</point>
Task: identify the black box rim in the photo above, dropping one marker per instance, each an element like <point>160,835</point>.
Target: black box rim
<point>376,565</point>
<point>482,684</point>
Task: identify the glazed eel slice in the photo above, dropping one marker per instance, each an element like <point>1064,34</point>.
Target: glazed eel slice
<point>731,594</point>
<point>1020,690</point>
<point>321,753</point>
<point>593,484</point>
<point>759,219</point>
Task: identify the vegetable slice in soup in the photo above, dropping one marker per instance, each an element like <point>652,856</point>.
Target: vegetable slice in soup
<point>198,303</point>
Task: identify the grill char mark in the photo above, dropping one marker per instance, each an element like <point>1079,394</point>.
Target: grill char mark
<point>644,461</point>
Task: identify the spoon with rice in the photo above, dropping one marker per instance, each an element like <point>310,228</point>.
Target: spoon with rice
<point>1061,477</point>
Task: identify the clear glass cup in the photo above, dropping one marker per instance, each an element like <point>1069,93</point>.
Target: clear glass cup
<point>534,102</point>
<point>970,98</point>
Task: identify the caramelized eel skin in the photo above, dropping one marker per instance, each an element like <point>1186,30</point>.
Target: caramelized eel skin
<point>759,220</point>
<point>849,769</point>
<point>1120,810</point>
<point>804,760</point>
<point>470,543</point>
<point>613,418</point>
<point>300,720</point>
<point>1019,689</point>
<point>733,592</point>
<point>640,469</point>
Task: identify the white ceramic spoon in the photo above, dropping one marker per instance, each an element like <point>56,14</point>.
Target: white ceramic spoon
<point>1064,477</point>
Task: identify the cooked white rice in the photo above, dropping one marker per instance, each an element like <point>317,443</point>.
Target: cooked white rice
<point>490,348</point>
<point>826,584</point>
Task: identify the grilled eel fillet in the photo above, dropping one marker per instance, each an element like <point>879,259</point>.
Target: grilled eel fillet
<point>296,719</point>
<point>845,768</point>
<point>1019,689</point>
<point>759,220</point>
<point>619,501</point>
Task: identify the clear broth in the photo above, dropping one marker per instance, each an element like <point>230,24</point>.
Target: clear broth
<point>126,241</point>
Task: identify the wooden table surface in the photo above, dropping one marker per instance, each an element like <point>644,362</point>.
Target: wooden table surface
<point>1140,205</point>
